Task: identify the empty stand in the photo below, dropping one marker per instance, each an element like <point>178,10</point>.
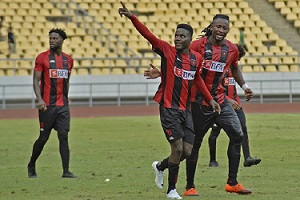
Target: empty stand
<point>29,22</point>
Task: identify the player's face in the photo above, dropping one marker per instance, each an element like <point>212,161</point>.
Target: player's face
<point>220,29</point>
<point>182,39</point>
<point>55,41</point>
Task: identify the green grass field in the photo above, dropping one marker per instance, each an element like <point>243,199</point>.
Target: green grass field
<point>123,149</point>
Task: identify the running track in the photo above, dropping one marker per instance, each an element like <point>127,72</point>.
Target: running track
<point>141,110</point>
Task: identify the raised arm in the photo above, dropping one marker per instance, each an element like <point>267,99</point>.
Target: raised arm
<point>142,29</point>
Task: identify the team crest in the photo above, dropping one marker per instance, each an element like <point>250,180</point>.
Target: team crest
<point>65,62</point>
<point>224,53</point>
<point>193,62</point>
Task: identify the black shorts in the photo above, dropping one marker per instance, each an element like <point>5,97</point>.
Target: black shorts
<point>177,124</point>
<point>57,117</point>
<point>204,118</point>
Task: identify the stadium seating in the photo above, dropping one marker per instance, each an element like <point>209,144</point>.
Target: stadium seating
<point>30,19</point>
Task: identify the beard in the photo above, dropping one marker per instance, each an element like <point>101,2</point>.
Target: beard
<point>55,48</point>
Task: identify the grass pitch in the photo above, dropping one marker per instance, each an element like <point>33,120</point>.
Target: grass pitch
<point>123,149</point>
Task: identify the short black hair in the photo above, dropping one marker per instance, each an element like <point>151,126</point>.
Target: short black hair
<point>60,32</point>
<point>186,27</point>
<point>221,16</point>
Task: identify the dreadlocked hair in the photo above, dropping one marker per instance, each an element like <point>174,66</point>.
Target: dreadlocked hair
<point>242,50</point>
<point>207,31</point>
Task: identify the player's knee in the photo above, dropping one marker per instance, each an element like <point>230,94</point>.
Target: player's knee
<point>239,137</point>
<point>43,138</point>
<point>62,135</point>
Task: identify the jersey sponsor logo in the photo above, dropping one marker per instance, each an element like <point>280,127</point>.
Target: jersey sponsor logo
<point>214,65</point>
<point>229,81</point>
<point>58,73</point>
<point>184,74</point>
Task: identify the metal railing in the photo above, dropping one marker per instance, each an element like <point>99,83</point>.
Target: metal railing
<point>122,93</point>
<point>140,63</point>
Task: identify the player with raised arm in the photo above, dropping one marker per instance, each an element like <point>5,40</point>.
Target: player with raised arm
<point>181,67</point>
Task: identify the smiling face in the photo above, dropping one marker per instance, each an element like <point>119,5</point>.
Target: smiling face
<point>182,40</point>
<point>55,42</point>
<point>220,29</point>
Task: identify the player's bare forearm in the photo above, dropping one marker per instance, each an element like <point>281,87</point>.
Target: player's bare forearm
<point>237,75</point>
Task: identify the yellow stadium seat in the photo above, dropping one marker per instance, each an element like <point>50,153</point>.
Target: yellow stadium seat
<point>279,4</point>
<point>185,5</point>
<point>261,23</point>
<point>271,68</point>
<point>264,60</point>
<point>117,70</point>
<point>284,68</point>
<point>208,5</point>
<point>219,4</point>
<point>287,49</point>
<point>196,5</point>
<point>291,16</point>
<point>96,71</point>
<point>275,50</point>
<point>82,71</point>
<point>274,60</point>
<point>285,10</point>
<point>130,70</point>
<point>273,36</point>
<point>247,68</point>
<point>258,68</point>
<point>297,23</point>
<point>251,60</point>
<point>231,4</point>
<point>294,68</point>
<point>174,6</point>
<point>292,4</point>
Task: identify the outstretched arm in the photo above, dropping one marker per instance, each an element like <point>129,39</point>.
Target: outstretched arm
<point>142,29</point>
<point>152,73</point>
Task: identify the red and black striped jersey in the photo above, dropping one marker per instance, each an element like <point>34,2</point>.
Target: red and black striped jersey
<point>230,86</point>
<point>56,70</point>
<point>178,72</point>
<point>217,60</point>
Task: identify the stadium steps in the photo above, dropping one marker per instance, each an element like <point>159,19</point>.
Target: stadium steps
<point>279,24</point>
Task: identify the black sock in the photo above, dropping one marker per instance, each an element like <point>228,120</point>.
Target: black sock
<point>173,175</point>
<point>232,181</point>
<point>163,164</point>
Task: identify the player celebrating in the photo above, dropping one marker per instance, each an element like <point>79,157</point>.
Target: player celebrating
<point>232,96</point>
<point>181,67</point>
<point>219,55</point>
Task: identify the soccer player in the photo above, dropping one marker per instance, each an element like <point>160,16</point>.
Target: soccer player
<point>232,96</point>
<point>51,86</point>
<point>181,67</point>
<point>219,55</point>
